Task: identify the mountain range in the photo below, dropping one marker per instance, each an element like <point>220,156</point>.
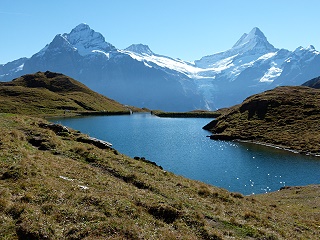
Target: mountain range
<point>138,76</point>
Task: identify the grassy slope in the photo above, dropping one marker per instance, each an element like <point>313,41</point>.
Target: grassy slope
<point>286,116</point>
<point>50,94</point>
<point>54,187</point>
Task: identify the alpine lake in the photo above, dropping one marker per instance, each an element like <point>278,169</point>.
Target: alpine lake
<point>181,146</point>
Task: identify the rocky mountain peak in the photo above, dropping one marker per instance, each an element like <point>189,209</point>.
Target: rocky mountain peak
<point>255,39</point>
<point>59,42</point>
<point>81,27</point>
<point>252,44</point>
<point>86,40</point>
<point>140,49</point>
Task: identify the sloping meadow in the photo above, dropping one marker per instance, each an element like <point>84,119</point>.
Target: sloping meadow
<point>54,186</point>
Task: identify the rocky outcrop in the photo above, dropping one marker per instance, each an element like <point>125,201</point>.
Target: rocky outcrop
<point>96,142</point>
<point>57,128</point>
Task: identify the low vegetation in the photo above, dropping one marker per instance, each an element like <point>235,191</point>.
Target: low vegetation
<point>288,117</point>
<point>54,185</point>
<point>51,93</point>
<point>57,183</point>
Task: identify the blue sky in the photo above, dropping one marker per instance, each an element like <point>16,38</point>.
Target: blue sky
<point>186,29</point>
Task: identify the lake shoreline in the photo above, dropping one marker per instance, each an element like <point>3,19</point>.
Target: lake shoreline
<point>280,147</point>
<point>186,115</point>
<point>92,113</point>
<point>192,114</point>
<point>94,184</point>
<point>189,154</point>
<point>277,147</point>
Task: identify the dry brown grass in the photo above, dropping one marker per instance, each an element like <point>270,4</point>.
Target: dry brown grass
<point>52,94</point>
<point>286,116</point>
<point>74,190</point>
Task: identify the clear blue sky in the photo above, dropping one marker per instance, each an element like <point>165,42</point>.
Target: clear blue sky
<point>186,29</point>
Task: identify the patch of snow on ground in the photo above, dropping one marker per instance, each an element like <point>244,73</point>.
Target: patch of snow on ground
<point>83,187</point>
<point>66,178</point>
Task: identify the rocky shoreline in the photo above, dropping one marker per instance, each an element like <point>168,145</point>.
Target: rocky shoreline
<point>279,147</point>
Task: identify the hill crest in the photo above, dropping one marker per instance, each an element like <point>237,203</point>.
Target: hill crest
<point>288,117</point>
<point>55,82</point>
<point>49,93</point>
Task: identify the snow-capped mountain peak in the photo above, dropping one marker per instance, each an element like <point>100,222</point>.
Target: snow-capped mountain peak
<point>255,39</point>
<point>241,40</point>
<point>140,49</point>
<point>58,42</point>
<point>252,44</point>
<point>256,32</point>
<point>222,79</point>
<point>301,50</point>
<point>253,34</point>
<point>81,27</point>
<point>311,47</point>
<point>86,40</point>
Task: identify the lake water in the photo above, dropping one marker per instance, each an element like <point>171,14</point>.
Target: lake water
<point>180,145</point>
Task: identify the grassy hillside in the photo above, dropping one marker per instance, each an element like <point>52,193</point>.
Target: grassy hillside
<point>52,94</point>
<point>286,116</point>
<point>55,184</point>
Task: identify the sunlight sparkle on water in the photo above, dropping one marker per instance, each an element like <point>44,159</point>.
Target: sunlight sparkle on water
<point>181,146</point>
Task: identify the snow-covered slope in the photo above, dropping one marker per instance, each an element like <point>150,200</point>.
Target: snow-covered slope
<point>11,68</point>
<point>138,76</point>
<point>87,41</point>
<point>142,53</point>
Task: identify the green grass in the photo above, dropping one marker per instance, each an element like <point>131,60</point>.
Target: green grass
<point>74,190</point>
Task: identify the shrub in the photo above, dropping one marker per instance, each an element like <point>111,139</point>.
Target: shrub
<point>204,191</point>
<point>164,212</point>
<point>237,195</point>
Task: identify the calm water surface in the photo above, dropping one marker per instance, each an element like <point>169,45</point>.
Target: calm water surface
<point>180,145</point>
